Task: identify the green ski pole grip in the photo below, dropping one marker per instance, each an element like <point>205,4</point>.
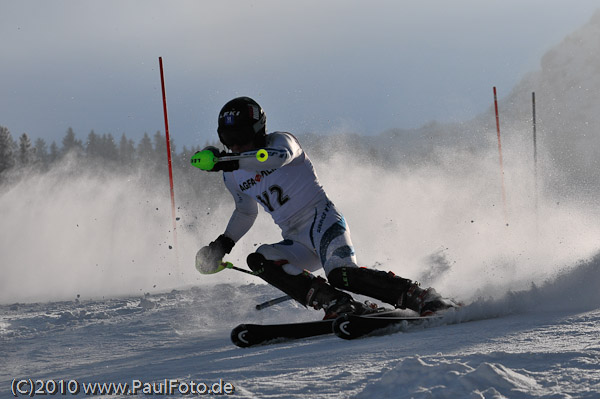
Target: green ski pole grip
<point>204,160</point>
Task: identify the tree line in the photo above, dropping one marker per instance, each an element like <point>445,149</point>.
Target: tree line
<point>22,154</point>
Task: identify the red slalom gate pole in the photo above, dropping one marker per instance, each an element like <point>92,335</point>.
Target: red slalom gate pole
<point>170,162</point>
<point>535,174</point>
<point>500,152</point>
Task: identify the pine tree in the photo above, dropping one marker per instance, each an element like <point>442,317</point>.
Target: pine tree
<point>92,145</point>
<point>26,151</point>
<point>145,151</point>
<point>160,147</point>
<point>109,148</point>
<point>7,155</point>
<point>126,151</point>
<point>54,153</point>
<point>70,143</point>
<point>41,152</point>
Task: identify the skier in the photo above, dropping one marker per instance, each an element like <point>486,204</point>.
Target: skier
<point>314,231</point>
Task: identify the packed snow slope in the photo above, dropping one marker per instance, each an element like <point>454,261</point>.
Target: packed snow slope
<point>537,343</point>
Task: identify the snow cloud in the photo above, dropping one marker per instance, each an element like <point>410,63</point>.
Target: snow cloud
<point>75,231</point>
<point>444,223</point>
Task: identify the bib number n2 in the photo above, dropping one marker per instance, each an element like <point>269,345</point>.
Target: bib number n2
<point>276,192</point>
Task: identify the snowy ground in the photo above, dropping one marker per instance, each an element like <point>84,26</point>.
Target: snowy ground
<point>538,343</point>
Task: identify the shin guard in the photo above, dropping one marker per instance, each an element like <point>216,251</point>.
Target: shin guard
<point>384,286</point>
<point>272,272</point>
<point>304,287</point>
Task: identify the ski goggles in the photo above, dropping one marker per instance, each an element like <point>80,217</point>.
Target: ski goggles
<point>230,138</point>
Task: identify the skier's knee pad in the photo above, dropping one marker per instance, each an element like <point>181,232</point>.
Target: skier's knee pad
<point>270,252</point>
<point>260,263</point>
<point>255,261</point>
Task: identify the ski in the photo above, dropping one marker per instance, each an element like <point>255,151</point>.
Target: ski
<point>352,326</point>
<point>348,326</point>
<point>246,335</point>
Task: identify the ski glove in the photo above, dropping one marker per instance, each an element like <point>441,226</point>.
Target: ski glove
<point>209,258</point>
<point>226,166</point>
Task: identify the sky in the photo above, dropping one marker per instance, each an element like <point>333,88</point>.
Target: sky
<point>314,66</point>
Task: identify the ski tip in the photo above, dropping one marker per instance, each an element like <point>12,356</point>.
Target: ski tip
<point>240,336</point>
<point>341,327</point>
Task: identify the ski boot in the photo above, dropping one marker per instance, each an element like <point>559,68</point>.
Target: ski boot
<point>335,302</point>
<point>426,302</point>
<point>389,288</point>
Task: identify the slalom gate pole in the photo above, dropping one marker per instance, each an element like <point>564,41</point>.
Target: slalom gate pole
<point>535,175</point>
<point>534,133</point>
<point>169,160</point>
<point>500,153</point>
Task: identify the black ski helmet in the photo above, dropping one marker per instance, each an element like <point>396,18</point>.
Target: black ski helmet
<point>242,121</point>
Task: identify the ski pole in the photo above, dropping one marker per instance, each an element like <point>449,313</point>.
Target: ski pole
<point>260,306</point>
<point>206,159</point>
<point>272,302</point>
<point>229,265</point>
<point>223,266</point>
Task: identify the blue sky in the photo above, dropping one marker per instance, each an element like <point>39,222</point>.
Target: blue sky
<point>314,66</point>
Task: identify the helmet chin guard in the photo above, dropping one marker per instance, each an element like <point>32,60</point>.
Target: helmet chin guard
<point>241,121</point>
